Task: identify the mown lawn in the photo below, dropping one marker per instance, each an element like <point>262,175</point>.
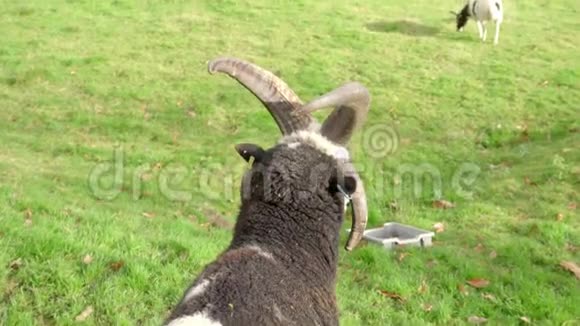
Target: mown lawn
<point>84,83</point>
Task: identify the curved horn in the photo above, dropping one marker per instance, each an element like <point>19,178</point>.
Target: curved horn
<point>359,215</point>
<point>275,94</point>
<point>359,212</point>
<point>352,102</point>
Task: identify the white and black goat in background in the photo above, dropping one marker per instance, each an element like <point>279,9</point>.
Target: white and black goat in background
<point>281,265</point>
<point>481,11</point>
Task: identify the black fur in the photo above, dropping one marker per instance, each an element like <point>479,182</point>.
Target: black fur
<point>292,210</point>
<point>462,17</point>
<point>497,6</point>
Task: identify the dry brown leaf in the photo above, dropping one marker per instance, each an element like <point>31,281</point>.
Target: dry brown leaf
<point>115,266</point>
<point>28,217</point>
<point>525,320</point>
<point>571,267</point>
<point>559,217</point>
<point>444,204</point>
<point>10,288</point>
<point>478,283</point>
<point>402,256</point>
<point>392,295</point>
<point>191,113</point>
<point>492,254</point>
<point>85,314</point>
<point>572,248</point>
<point>439,227</point>
<point>477,320</point>
<point>488,296</point>
<point>529,182</point>
<point>15,264</point>
<point>423,287</point>
<point>572,206</point>
<point>148,215</point>
<point>87,259</point>
<point>479,247</point>
<point>427,307</point>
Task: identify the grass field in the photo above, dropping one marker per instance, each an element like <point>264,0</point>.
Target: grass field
<point>88,85</point>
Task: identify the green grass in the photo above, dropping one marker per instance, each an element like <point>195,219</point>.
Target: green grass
<point>79,79</point>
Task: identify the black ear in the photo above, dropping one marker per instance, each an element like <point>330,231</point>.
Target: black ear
<point>248,151</point>
<point>346,185</point>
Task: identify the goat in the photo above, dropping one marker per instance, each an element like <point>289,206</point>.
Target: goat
<point>481,11</point>
<point>280,267</point>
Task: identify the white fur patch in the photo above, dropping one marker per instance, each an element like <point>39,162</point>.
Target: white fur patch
<point>317,140</point>
<point>261,251</point>
<point>196,290</point>
<point>198,319</point>
<point>294,145</point>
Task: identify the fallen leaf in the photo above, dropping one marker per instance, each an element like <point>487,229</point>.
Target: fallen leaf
<point>478,283</point>
<point>572,248</point>
<point>87,259</point>
<point>439,227</point>
<point>479,247</point>
<point>392,295</point>
<point>402,256</point>
<point>572,267</point>
<point>28,217</point>
<point>15,264</point>
<point>427,307</point>
<point>115,266</point>
<point>572,206</point>
<point>525,320</point>
<point>477,320</point>
<point>443,204</point>
<point>85,314</point>
<point>10,288</point>
<point>559,217</point>
<point>148,215</point>
<point>529,182</point>
<point>423,287</point>
<point>488,296</point>
<point>492,254</point>
<point>191,113</point>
